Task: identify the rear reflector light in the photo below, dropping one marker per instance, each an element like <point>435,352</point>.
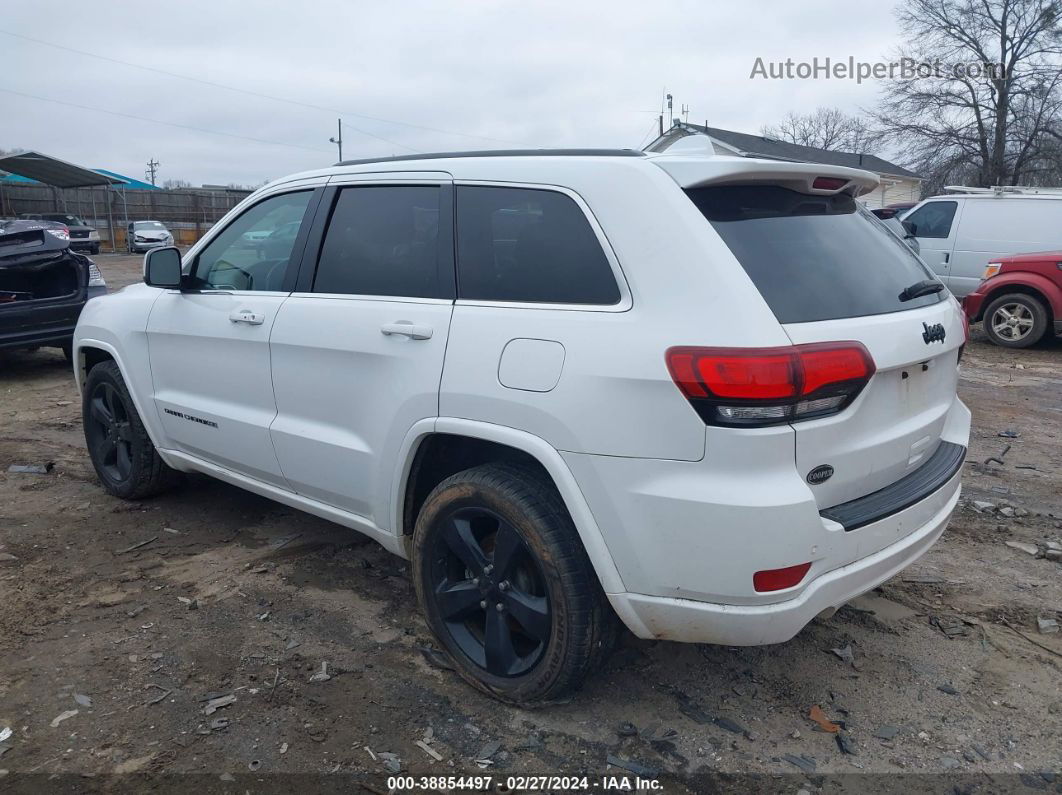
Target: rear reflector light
<point>829,183</point>
<point>965,335</point>
<point>779,579</point>
<point>768,386</point>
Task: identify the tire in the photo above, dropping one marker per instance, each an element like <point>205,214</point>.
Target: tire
<point>1015,320</point>
<point>68,351</point>
<point>122,454</point>
<point>555,624</point>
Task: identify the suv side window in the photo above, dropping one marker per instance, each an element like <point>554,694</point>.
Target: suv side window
<point>384,240</point>
<point>529,245</point>
<point>933,219</point>
<point>254,251</point>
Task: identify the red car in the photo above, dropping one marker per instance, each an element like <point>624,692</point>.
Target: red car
<point>1020,298</point>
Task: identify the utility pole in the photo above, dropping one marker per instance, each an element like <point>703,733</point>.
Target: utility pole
<point>339,140</point>
<point>670,116</point>
<point>152,170</point>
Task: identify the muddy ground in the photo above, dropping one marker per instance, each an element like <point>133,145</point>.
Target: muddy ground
<point>105,667</point>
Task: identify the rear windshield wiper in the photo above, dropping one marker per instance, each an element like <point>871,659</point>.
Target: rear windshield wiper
<point>918,289</point>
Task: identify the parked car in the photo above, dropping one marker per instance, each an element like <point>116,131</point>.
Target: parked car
<point>146,235</point>
<point>892,210</point>
<point>44,285</point>
<point>83,236</point>
<point>570,387</point>
<point>897,228</point>
<point>958,234</point>
<point>1020,299</point>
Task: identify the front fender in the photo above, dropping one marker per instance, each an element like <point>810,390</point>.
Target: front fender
<point>999,284</point>
<point>117,325</point>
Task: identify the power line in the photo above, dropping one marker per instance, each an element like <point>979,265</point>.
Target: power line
<point>165,123</point>
<point>265,96</point>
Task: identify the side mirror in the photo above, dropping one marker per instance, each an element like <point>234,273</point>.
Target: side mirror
<point>911,228</point>
<point>162,267</point>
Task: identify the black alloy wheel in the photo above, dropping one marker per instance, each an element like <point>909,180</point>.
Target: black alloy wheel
<point>126,461</point>
<point>490,592</point>
<point>506,586</point>
<point>109,432</point>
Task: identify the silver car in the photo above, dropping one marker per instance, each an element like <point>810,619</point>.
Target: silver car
<point>144,235</point>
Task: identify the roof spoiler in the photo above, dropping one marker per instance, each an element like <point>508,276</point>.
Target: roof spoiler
<point>700,172</point>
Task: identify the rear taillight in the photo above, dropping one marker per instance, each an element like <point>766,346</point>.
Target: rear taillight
<point>741,387</point>
<point>992,269</point>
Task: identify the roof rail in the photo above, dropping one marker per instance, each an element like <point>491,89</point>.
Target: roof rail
<point>500,153</point>
<point>999,190</point>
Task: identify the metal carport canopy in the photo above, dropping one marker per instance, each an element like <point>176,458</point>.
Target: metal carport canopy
<point>53,171</point>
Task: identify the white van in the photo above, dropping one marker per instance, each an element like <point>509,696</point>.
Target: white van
<point>958,234</point>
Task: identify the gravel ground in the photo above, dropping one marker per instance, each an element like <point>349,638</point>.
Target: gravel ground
<point>111,648</point>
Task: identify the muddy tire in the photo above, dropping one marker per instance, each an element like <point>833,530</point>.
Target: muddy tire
<point>506,586</point>
<point>125,460</point>
<point>1015,320</point>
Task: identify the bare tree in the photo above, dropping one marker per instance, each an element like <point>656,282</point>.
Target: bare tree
<point>824,128</point>
<point>174,184</point>
<point>984,105</point>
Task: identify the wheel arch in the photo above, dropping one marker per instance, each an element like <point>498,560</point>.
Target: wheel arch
<point>1032,285</point>
<point>464,443</point>
<point>90,352</point>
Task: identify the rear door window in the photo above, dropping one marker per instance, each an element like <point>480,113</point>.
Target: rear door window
<point>933,220</point>
<point>529,245</point>
<point>813,257</point>
<point>384,240</point>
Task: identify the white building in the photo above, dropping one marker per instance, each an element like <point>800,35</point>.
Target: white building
<point>897,183</point>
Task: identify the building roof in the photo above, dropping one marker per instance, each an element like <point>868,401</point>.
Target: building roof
<point>131,183</point>
<point>53,171</point>
<point>774,149</point>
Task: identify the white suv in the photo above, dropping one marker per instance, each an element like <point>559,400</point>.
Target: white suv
<point>711,396</point>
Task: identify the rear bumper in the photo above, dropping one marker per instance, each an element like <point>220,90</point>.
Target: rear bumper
<point>688,537</point>
<point>752,625</point>
<point>42,324</point>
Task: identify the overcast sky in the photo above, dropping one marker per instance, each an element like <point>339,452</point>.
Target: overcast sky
<point>569,73</point>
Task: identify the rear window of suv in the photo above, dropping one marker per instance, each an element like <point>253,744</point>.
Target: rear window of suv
<point>813,257</point>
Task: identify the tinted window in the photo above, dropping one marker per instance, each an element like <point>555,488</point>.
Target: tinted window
<point>933,219</point>
<point>813,257</point>
<point>516,244</point>
<point>384,240</point>
<point>254,251</point>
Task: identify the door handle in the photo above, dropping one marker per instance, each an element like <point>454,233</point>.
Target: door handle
<point>947,257</point>
<point>247,316</point>
<point>405,328</point>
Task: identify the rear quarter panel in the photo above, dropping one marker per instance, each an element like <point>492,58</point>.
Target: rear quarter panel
<point>614,395</point>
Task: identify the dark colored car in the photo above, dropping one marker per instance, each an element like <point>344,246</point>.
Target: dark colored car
<point>83,236</point>
<point>44,284</point>
<point>1020,299</point>
<point>892,210</point>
